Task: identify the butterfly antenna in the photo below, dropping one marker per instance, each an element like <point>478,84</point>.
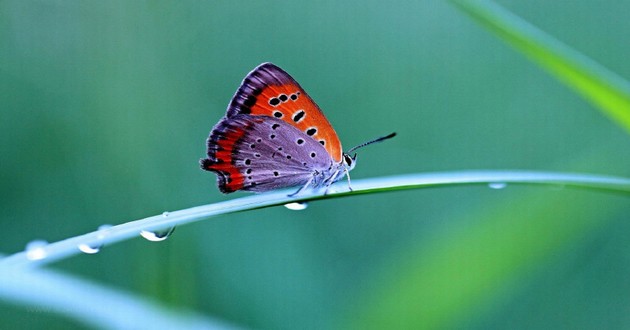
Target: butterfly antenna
<point>382,138</point>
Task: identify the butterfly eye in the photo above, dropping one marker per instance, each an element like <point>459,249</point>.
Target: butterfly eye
<point>347,159</point>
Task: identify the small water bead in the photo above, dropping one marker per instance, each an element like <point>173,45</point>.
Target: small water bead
<point>158,235</point>
<point>103,230</point>
<point>497,185</point>
<point>296,206</point>
<point>165,214</point>
<point>35,250</point>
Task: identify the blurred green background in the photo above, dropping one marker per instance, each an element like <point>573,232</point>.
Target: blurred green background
<point>106,107</point>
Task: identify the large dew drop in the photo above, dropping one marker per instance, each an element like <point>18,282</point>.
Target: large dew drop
<point>35,250</point>
<point>102,232</point>
<point>158,235</point>
<point>296,206</point>
<point>87,249</point>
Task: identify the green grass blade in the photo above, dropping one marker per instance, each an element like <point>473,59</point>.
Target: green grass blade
<point>68,247</point>
<point>96,306</point>
<point>603,88</point>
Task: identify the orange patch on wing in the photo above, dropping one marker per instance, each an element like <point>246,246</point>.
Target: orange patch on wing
<point>285,101</point>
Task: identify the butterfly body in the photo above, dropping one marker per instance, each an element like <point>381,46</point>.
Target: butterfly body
<point>274,136</point>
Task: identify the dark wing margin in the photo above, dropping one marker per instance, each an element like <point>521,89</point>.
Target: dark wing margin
<point>221,143</point>
<point>264,75</point>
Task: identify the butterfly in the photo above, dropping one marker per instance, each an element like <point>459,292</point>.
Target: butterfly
<point>273,136</point>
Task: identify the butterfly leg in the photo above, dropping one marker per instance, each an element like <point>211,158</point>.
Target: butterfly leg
<point>348,176</point>
<point>330,181</point>
<point>308,183</point>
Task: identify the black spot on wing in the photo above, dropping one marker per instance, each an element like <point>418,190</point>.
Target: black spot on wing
<point>299,115</point>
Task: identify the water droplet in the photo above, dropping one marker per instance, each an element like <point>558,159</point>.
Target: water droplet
<point>165,214</point>
<point>296,206</point>
<point>158,235</point>
<point>35,250</point>
<point>86,248</point>
<point>105,227</point>
<point>497,185</point>
<point>102,232</point>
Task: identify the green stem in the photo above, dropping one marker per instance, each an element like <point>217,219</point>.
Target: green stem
<point>49,291</point>
<point>68,247</point>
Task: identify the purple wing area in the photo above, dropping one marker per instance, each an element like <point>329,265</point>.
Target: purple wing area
<point>272,154</point>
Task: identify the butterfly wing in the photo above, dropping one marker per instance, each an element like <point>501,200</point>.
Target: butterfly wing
<point>261,153</point>
<point>270,91</point>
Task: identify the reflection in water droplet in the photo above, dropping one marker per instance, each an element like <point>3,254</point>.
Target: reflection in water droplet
<point>158,235</point>
<point>35,250</point>
<point>85,248</point>
<point>296,206</point>
<point>497,185</point>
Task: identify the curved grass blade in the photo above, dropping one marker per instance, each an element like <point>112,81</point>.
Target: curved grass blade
<point>107,236</point>
<point>96,306</point>
<point>604,89</point>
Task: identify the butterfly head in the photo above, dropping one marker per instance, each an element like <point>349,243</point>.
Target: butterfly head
<point>349,161</point>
